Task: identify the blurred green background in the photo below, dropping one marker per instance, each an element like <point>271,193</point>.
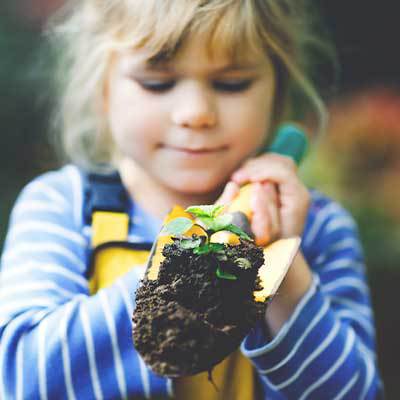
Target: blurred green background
<point>357,162</point>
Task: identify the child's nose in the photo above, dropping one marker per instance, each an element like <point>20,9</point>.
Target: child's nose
<point>195,109</point>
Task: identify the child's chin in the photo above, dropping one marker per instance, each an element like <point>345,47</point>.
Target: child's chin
<point>199,185</point>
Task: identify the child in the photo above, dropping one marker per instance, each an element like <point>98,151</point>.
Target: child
<point>179,97</point>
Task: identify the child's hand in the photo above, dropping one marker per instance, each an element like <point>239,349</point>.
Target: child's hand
<point>280,200</point>
<point>280,204</point>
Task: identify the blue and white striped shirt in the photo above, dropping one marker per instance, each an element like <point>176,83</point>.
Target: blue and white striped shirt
<point>59,342</point>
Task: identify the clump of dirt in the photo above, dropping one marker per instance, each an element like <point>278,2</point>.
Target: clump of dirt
<point>188,320</point>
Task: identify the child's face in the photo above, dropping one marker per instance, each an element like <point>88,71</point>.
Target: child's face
<point>190,122</point>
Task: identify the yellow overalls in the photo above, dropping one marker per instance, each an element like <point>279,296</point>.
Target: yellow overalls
<point>112,257</point>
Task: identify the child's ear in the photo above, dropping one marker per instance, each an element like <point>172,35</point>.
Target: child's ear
<point>105,96</point>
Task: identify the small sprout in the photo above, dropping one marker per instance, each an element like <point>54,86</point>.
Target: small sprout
<point>213,222</point>
<point>225,275</point>
<point>243,263</point>
<point>212,219</point>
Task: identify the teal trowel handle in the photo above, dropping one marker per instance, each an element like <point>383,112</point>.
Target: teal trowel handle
<point>290,141</point>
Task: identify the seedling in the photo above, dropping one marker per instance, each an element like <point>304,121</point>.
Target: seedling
<point>212,220</point>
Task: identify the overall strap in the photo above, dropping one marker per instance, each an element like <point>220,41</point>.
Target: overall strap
<point>106,207</point>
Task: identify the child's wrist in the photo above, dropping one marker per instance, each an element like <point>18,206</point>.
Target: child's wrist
<point>295,285</point>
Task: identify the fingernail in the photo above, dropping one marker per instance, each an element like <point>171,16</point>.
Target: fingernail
<point>233,188</point>
<point>237,175</point>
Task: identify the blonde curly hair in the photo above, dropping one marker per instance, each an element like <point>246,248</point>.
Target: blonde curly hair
<point>85,33</point>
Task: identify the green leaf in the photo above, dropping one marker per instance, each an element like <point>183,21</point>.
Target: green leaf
<point>221,222</point>
<point>225,275</point>
<point>235,229</point>
<point>190,243</point>
<point>210,211</point>
<point>217,210</point>
<point>207,222</point>
<point>177,226</point>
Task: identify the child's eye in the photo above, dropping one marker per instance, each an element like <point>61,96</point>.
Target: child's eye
<point>232,86</point>
<point>157,86</point>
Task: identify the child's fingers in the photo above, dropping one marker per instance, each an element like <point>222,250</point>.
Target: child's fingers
<point>273,167</point>
<point>231,190</point>
<point>273,207</point>
<point>265,222</point>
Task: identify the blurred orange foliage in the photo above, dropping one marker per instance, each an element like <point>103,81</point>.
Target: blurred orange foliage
<point>362,146</point>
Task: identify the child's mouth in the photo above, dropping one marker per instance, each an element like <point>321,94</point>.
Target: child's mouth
<point>201,151</point>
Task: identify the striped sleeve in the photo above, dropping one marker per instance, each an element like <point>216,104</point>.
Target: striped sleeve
<point>327,347</point>
<point>57,341</point>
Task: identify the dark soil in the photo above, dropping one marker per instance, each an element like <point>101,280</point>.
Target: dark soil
<point>189,320</point>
